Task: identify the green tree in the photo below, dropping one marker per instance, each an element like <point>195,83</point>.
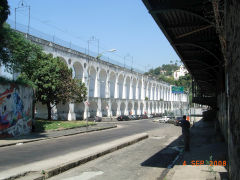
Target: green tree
<point>16,52</point>
<point>50,76</point>
<point>185,81</point>
<point>167,68</point>
<point>53,82</point>
<point>4,11</point>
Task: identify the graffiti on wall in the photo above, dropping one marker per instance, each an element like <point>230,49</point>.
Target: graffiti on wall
<point>15,110</point>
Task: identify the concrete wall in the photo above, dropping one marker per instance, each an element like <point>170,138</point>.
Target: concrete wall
<point>15,110</point>
<point>232,27</point>
<point>222,115</point>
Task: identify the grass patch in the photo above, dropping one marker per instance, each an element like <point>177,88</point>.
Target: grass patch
<point>46,125</point>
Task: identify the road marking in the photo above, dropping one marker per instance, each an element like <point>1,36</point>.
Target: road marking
<point>86,175</point>
<point>18,144</point>
<point>157,137</point>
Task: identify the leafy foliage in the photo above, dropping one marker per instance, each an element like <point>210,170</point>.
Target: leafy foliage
<point>16,52</point>
<point>54,83</point>
<point>4,11</point>
<point>165,69</point>
<point>185,81</point>
<point>165,73</point>
<point>51,78</point>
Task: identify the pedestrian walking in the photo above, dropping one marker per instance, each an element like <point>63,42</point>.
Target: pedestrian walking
<point>185,124</point>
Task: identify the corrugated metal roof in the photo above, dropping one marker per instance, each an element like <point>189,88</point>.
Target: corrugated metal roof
<point>189,25</point>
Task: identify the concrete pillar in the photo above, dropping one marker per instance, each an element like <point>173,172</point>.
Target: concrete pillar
<point>146,90</point>
<point>118,108</point>
<point>155,92</point>
<point>131,89</point>
<point>107,87</point>
<point>159,93</point>
<point>151,92</point>
<point>171,106</point>
<point>153,107</point>
<point>116,90</point>
<point>54,114</point>
<point>142,91</point>
<point>97,86</point>
<point>149,108</point>
<point>144,107</point>
<point>71,113</point>
<point>165,94</point>
<point>126,107</point>
<point>138,109</point>
<point>86,111</point>
<point>109,110</point>
<point>84,78</point>
<point>99,107</point>
<point>158,108</point>
<point>124,89</point>
<point>136,93</point>
<point>162,105</point>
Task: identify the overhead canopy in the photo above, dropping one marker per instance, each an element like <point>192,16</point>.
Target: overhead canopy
<point>189,26</point>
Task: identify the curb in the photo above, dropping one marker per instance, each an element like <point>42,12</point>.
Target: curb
<point>45,174</point>
<point>47,138</point>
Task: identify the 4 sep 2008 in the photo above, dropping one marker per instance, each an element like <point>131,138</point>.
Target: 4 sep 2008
<point>210,163</point>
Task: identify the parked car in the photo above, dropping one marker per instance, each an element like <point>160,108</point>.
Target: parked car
<point>97,119</point>
<point>164,119</point>
<point>178,119</point>
<point>136,117</point>
<point>131,117</point>
<point>144,116</point>
<point>150,116</point>
<point>122,118</point>
<point>155,115</point>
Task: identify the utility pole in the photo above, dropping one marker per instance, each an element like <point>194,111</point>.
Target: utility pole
<point>22,4</point>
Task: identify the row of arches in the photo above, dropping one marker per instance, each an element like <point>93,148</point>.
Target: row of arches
<point>113,108</point>
<point>109,84</point>
<point>106,109</point>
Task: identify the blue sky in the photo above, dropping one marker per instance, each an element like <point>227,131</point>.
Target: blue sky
<point>124,25</point>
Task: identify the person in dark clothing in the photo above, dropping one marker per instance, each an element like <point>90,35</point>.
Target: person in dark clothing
<point>185,132</point>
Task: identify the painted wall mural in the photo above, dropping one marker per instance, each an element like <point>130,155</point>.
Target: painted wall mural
<point>15,110</point>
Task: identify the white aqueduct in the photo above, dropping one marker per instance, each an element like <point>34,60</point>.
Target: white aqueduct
<point>112,90</point>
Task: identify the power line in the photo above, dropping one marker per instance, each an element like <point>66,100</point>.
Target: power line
<point>73,34</point>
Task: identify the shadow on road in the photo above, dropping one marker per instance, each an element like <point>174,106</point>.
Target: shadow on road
<point>166,156</point>
<point>205,146</point>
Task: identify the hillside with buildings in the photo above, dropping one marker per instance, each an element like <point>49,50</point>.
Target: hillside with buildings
<point>173,73</point>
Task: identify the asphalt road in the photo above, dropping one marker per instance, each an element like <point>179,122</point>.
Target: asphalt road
<point>145,160</point>
<point>15,156</point>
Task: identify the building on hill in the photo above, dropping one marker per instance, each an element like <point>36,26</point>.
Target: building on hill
<point>163,72</point>
<point>182,71</point>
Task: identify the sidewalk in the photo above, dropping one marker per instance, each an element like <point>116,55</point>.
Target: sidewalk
<point>53,134</point>
<point>204,145</point>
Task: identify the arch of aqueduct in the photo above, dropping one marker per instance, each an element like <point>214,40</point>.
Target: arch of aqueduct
<point>112,90</point>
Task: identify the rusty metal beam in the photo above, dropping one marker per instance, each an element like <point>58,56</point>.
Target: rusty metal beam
<point>157,11</point>
<point>200,47</point>
<point>194,31</point>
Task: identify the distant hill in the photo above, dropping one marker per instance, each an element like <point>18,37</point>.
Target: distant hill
<point>165,73</point>
<point>165,69</point>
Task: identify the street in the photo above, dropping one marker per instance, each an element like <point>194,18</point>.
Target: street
<point>42,152</point>
<point>143,160</point>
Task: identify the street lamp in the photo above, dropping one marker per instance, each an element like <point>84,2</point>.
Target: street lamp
<point>89,67</point>
<point>100,54</point>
